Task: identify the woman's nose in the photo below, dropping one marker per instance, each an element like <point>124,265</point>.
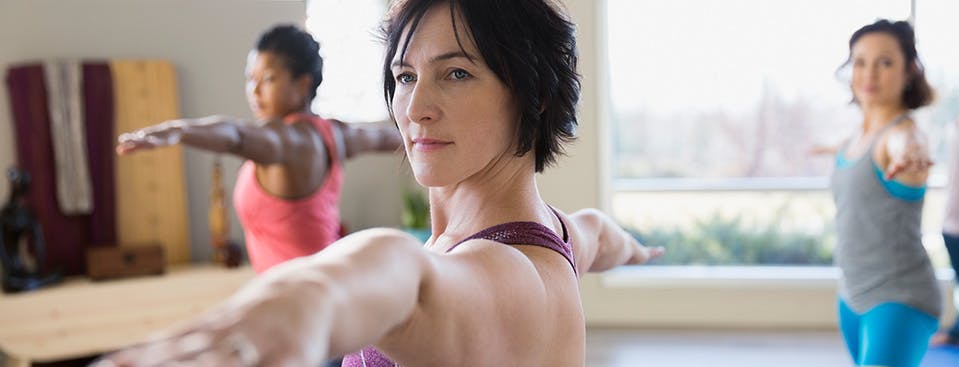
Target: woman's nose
<point>422,106</point>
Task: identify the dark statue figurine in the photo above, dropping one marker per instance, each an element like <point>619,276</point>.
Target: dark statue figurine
<point>21,240</point>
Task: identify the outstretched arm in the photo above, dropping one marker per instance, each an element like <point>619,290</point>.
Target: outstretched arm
<point>302,311</point>
<point>368,138</point>
<point>605,245</point>
<point>377,286</point>
<point>820,149</point>
<point>272,143</point>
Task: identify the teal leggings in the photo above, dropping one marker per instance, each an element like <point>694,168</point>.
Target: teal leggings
<point>890,334</point>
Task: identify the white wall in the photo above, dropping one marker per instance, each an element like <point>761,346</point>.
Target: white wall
<point>207,41</point>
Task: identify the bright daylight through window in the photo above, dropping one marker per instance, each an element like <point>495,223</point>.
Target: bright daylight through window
<point>352,53</point>
<point>715,107</point>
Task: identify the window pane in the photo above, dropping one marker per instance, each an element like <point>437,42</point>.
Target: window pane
<point>937,34</point>
<point>750,227</point>
<point>352,88</point>
<point>730,89</point>
<point>715,106</point>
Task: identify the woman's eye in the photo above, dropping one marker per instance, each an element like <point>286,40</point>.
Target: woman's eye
<point>405,78</point>
<point>459,74</point>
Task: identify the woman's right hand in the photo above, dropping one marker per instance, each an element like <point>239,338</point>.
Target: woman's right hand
<point>278,319</point>
<point>160,135</point>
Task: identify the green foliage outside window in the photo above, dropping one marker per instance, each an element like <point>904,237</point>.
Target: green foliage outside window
<point>718,240</point>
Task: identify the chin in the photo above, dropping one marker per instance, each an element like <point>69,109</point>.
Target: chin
<point>427,180</point>
<point>427,177</point>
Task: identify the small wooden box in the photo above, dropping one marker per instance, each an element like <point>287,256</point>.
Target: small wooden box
<point>119,262</point>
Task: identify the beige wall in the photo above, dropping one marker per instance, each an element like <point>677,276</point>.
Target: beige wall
<point>207,41</point>
<point>576,182</point>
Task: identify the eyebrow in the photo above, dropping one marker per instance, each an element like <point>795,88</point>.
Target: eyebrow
<point>438,58</point>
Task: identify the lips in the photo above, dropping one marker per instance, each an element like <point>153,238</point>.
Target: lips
<point>428,144</point>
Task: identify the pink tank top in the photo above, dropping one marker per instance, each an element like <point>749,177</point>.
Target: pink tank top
<point>513,233</point>
<point>277,229</point>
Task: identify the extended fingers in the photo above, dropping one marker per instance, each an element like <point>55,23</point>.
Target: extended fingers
<point>907,164</point>
<point>193,349</point>
<point>894,169</point>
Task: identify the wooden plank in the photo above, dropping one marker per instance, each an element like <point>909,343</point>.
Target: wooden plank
<point>151,190</point>
<point>11,361</point>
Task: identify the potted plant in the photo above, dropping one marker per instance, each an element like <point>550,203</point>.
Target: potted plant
<point>416,214</point>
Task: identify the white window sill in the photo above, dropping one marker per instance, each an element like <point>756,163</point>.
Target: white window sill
<point>739,277</point>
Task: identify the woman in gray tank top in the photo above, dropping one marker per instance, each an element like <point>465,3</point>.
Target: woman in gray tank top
<point>889,301</point>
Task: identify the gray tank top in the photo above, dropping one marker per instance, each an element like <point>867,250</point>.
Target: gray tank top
<point>879,249</point>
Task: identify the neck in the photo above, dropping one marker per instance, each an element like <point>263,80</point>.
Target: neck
<point>492,196</point>
<point>283,115</point>
<point>875,117</point>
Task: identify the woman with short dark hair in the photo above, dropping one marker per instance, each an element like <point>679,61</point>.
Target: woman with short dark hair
<point>484,94</point>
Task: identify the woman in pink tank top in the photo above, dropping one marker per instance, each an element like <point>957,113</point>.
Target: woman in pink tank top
<point>484,94</point>
<point>287,192</point>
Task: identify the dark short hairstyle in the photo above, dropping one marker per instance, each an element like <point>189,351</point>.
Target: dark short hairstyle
<point>299,51</point>
<point>917,92</point>
<point>531,47</point>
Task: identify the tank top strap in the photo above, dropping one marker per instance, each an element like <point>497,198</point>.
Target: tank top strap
<point>895,121</point>
<point>528,233</point>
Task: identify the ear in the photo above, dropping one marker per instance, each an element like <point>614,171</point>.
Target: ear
<point>303,83</point>
<point>912,74</point>
<point>912,71</point>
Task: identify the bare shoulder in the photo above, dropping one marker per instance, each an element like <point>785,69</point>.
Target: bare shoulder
<point>505,297</point>
<point>907,126</point>
<point>301,137</point>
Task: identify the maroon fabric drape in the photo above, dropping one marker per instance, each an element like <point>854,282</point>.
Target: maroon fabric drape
<point>67,237</point>
<point>98,117</point>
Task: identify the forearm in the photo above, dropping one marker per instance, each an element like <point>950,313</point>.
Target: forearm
<point>263,145</point>
<point>219,136</point>
<point>613,246</point>
<point>617,247</point>
<point>371,138</point>
<point>367,284</point>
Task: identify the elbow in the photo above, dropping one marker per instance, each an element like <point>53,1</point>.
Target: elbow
<point>590,219</point>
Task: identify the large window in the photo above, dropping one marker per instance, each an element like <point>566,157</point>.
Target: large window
<point>715,107</point>
<point>347,30</point>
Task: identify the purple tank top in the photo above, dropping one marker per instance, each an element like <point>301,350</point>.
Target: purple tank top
<point>513,233</point>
